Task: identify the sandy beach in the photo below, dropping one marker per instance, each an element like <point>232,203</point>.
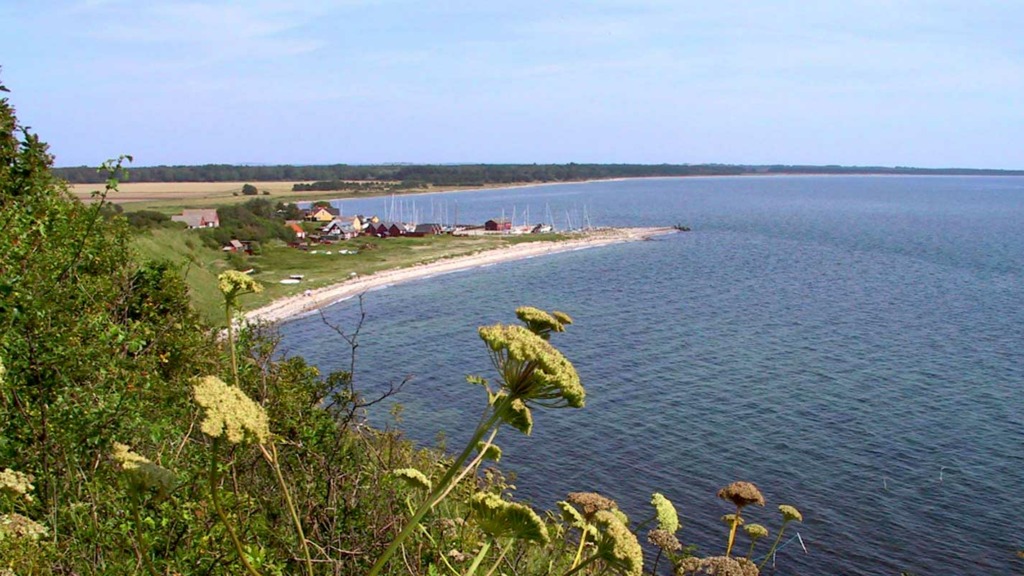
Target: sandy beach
<point>292,306</point>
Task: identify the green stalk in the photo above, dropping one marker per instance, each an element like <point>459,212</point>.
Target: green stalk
<point>774,545</point>
<point>213,479</point>
<point>143,548</point>
<point>479,558</point>
<point>441,488</point>
<point>582,565</point>
<point>228,304</point>
<point>272,459</point>
<point>500,558</point>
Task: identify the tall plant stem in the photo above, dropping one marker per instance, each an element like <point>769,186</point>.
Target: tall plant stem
<point>654,570</point>
<point>775,545</point>
<point>213,478</point>
<point>271,458</point>
<point>479,558</point>
<point>228,304</point>
<point>732,531</point>
<point>442,486</point>
<point>582,565</point>
<point>501,557</point>
<point>471,466</point>
<point>143,548</point>
<point>579,549</point>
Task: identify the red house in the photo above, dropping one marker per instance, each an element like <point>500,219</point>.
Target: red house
<point>498,225</point>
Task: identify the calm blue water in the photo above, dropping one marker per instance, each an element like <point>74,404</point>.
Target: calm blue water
<point>853,345</point>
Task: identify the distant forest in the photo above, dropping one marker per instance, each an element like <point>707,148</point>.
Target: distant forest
<point>325,176</point>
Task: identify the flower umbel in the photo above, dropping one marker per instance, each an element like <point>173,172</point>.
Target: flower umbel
<point>501,518</point>
<point>143,472</point>
<point>789,513</point>
<point>532,370</point>
<point>668,519</point>
<point>413,477</point>
<point>229,412</point>
<point>617,546</point>
<point>17,526</point>
<point>540,322</point>
<point>17,484</point>
<point>233,283</point>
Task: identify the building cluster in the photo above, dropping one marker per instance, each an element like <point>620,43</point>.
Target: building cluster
<point>332,226</point>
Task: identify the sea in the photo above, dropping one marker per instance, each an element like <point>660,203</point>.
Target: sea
<point>853,345</point>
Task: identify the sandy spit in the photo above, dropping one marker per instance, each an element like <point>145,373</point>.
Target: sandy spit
<point>301,304</point>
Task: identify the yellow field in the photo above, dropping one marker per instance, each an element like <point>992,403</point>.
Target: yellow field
<point>172,197</point>
<point>178,191</point>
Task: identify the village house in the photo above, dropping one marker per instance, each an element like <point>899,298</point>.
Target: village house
<point>243,246</point>
<point>198,218</point>
<point>362,223</point>
<point>339,229</point>
<point>427,230</point>
<point>294,227</point>
<point>322,214</point>
<point>387,229</point>
<point>498,225</point>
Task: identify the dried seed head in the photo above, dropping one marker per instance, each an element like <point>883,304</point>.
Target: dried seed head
<point>742,494</point>
<point>591,503</point>
<point>16,526</point>
<point>717,566</point>
<point>665,540</point>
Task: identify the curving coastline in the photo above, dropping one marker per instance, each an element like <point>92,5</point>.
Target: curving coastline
<point>292,306</point>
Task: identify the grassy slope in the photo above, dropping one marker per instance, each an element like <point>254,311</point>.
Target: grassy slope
<point>319,268</point>
<point>200,264</point>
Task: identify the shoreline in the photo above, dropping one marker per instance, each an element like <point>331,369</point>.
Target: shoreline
<point>291,307</point>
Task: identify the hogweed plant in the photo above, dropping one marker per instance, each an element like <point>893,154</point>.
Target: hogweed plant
<point>229,415</point>
<point>664,536</point>
<point>145,478</point>
<point>531,374</point>
<point>741,494</point>
<point>789,514</point>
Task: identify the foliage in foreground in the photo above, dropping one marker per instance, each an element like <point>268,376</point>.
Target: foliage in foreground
<point>133,439</point>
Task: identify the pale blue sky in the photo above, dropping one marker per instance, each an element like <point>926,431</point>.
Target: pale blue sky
<point>932,83</point>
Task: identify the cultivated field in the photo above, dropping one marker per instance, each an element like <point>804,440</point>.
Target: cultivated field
<point>172,197</point>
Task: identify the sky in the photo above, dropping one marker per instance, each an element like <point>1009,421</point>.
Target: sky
<point>927,83</point>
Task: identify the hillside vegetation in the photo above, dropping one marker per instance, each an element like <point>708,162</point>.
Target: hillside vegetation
<point>135,440</point>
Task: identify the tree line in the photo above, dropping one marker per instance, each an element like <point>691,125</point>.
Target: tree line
<point>325,176</point>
